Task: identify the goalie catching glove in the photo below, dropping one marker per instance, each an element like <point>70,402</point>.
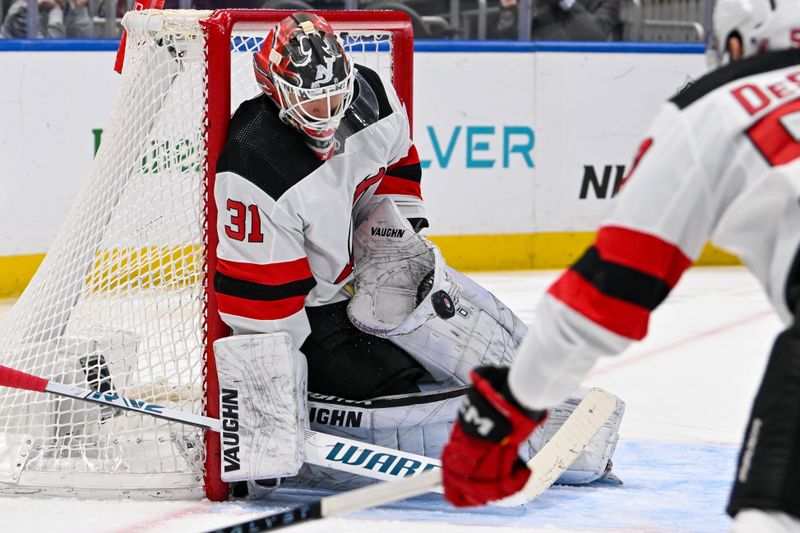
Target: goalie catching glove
<point>481,462</point>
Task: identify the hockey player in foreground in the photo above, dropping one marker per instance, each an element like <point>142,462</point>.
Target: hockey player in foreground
<point>318,189</point>
<point>721,161</point>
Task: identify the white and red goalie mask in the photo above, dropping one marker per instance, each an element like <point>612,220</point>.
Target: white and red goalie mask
<point>303,67</point>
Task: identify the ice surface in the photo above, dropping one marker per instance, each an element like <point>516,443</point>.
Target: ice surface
<point>688,389</point>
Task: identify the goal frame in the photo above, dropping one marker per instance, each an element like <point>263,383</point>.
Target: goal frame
<point>218,28</point>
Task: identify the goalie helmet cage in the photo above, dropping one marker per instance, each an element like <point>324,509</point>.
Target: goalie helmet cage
<point>124,302</point>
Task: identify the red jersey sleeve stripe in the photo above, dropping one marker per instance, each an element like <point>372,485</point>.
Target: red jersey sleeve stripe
<point>259,309</point>
<point>621,317</point>
<point>269,274</point>
<point>411,159</point>
<point>392,185</point>
<point>404,176</point>
<point>643,252</point>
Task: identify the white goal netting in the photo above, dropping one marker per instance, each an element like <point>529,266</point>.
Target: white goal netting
<point>119,304</point>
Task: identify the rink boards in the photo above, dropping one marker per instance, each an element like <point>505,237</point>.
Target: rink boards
<point>521,143</point>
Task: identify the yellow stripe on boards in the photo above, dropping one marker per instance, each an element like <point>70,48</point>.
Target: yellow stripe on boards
<point>116,269</point>
<point>512,251</point>
<point>16,271</point>
<point>148,267</point>
<point>535,251</point>
<point>120,269</point>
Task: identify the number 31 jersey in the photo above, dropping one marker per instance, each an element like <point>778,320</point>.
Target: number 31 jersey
<point>720,162</point>
<point>285,218</point>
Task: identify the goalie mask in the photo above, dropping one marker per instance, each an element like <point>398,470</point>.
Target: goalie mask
<point>303,67</point>
<point>760,25</point>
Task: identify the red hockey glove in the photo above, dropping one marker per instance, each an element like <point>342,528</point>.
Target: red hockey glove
<point>481,462</point>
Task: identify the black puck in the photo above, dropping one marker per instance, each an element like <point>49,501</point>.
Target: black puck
<point>443,305</point>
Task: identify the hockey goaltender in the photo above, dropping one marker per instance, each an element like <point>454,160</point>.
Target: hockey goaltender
<point>323,274</point>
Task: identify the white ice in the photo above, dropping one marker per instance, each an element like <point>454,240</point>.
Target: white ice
<point>688,389</point>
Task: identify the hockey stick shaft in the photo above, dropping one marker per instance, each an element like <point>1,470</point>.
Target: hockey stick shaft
<point>21,380</point>
<point>340,504</point>
<point>321,449</point>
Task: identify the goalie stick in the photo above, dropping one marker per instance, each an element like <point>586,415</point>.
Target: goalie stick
<point>323,449</point>
<point>547,465</point>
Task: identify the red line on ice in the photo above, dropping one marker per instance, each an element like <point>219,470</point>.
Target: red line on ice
<point>680,343</point>
<point>165,518</point>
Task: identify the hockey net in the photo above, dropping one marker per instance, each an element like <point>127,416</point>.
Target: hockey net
<point>121,303</point>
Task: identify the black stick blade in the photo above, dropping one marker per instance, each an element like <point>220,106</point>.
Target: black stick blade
<point>290,517</point>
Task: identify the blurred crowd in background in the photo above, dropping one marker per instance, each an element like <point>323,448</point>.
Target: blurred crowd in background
<point>559,20</point>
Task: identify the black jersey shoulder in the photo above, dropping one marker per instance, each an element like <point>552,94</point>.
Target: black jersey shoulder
<point>375,82</point>
<point>750,66</point>
<point>370,104</point>
<point>264,150</point>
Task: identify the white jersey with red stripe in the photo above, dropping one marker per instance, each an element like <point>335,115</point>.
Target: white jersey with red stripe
<point>721,162</point>
<point>285,218</point>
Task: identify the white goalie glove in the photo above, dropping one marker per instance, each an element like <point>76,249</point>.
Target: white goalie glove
<point>405,292</point>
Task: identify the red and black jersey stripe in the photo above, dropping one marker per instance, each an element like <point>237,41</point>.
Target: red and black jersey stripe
<point>403,177</point>
<point>749,66</point>
<point>624,276</point>
<point>263,292</point>
<point>366,183</point>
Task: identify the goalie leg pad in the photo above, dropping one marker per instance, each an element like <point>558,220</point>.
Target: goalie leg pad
<point>418,423</point>
<point>483,331</point>
<point>262,381</point>
<point>421,423</point>
<point>595,460</point>
<point>405,292</point>
<point>768,476</point>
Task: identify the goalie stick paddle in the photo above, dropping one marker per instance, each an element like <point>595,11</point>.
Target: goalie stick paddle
<point>553,459</point>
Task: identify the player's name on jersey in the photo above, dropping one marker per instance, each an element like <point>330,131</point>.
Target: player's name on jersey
<point>756,97</point>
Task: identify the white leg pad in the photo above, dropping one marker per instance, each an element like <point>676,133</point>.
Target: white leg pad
<point>263,391</point>
<point>591,464</point>
<point>483,331</point>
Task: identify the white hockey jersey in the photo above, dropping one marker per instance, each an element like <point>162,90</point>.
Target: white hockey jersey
<point>285,218</point>
<point>720,162</point>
